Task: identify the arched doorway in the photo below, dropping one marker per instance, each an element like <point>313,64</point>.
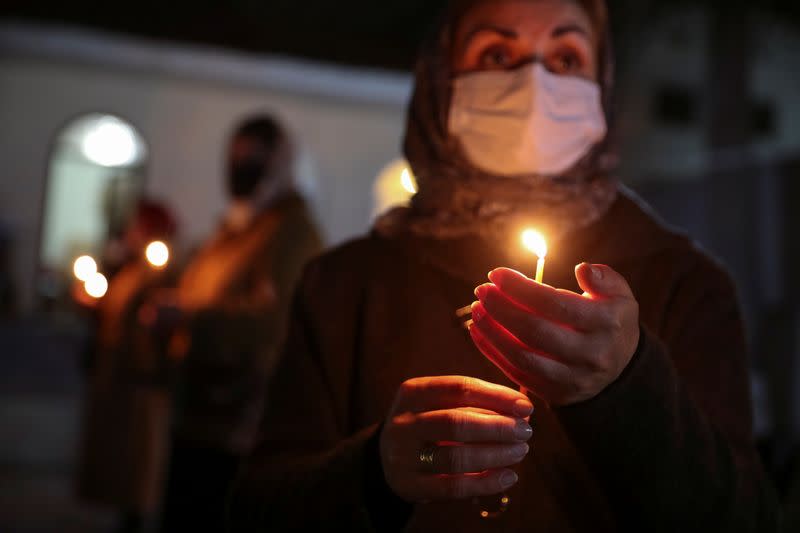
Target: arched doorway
<point>96,175</point>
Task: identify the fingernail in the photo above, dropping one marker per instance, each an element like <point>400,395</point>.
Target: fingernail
<point>477,312</point>
<point>480,291</point>
<point>523,430</point>
<point>523,408</point>
<point>508,478</point>
<point>520,451</point>
<point>597,273</point>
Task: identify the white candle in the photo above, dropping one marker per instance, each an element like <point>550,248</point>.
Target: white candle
<point>534,241</point>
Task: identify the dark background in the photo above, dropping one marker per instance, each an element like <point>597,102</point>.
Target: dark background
<point>379,33</point>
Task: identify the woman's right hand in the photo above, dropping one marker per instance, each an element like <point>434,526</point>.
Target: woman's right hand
<point>454,437</point>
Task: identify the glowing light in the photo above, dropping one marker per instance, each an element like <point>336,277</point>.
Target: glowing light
<point>408,181</point>
<point>534,241</point>
<point>157,254</point>
<point>110,143</point>
<point>84,267</point>
<point>96,286</point>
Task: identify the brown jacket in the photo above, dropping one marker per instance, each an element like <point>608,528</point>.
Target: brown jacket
<point>667,447</point>
<point>122,453</point>
<point>238,289</point>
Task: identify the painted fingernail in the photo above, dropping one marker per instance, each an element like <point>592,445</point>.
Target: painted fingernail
<point>523,408</point>
<point>520,450</point>
<point>477,312</point>
<point>523,430</point>
<point>508,478</point>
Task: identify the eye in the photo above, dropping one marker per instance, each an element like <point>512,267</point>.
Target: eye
<point>495,57</point>
<point>565,62</point>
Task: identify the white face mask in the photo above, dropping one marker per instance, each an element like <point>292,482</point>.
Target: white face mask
<point>526,121</point>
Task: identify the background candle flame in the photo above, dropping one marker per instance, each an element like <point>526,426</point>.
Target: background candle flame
<point>84,267</point>
<point>534,241</point>
<point>157,254</point>
<point>408,181</point>
<point>96,286</point>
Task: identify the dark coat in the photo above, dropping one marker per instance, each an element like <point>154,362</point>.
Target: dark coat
<point>667,447</point>
<point>238,289</point>
<point>122,456</point>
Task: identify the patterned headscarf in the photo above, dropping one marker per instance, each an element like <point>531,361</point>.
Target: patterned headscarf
<point>455,198</point>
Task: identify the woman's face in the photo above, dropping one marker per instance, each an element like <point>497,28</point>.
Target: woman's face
<point>505,34</point>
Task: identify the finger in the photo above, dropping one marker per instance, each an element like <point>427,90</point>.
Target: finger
<point>537,373</point>
<point>602,281</point>
<point>528,362</point>
<point>475,458</point>
<point>564,307</point>
<point>538,333</point>
<point>456,425</point>
<point>443,487</point>
<point>449,392</point>
<point>476,410</point>
<point>492,354</point>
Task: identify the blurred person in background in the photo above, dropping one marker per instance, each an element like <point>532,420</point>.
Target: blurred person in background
<point>386,414</point>
<point>233,298</point>
<point>119,200</point>
<point>123,452</point>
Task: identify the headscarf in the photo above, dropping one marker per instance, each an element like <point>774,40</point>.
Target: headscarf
<point>155,220</point>
<point>265,177</point>
<point>455,198</point>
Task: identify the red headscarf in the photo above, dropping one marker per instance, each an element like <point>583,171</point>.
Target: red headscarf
<point>155,220</point>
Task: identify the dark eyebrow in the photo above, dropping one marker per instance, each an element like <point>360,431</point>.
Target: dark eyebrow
<point>569,28</point>
<point>505,32</point>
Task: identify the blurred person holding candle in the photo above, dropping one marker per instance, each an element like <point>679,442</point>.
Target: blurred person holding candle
<point>387,415</point>
<point>122,455</point>
<point>231,304</point>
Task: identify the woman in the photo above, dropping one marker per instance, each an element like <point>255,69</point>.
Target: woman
<point>635,363</point>
<point>125,435</point>
<point>234,297</point>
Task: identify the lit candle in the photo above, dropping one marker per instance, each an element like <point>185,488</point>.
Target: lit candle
<point>96,285</point>
<point>157,254</point>
<point>408,182</point>
<point>534,241</point>
<point>84,267</point>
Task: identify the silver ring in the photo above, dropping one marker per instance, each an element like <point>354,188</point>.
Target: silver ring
<point>426,457</point>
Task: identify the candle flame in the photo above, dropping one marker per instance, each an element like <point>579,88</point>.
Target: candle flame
<point>534,241</point>
<point>96,285</point>
<point>408,181</point>
<point>84,267</point>
<point>157,254</point>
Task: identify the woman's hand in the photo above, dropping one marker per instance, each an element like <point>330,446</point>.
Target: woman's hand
<point>450,438</point>
<point>564,347</point>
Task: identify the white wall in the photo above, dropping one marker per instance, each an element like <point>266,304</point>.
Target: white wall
<point>183,103</point>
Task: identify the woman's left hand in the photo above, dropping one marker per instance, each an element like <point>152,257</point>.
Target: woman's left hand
<point>564,347</point>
